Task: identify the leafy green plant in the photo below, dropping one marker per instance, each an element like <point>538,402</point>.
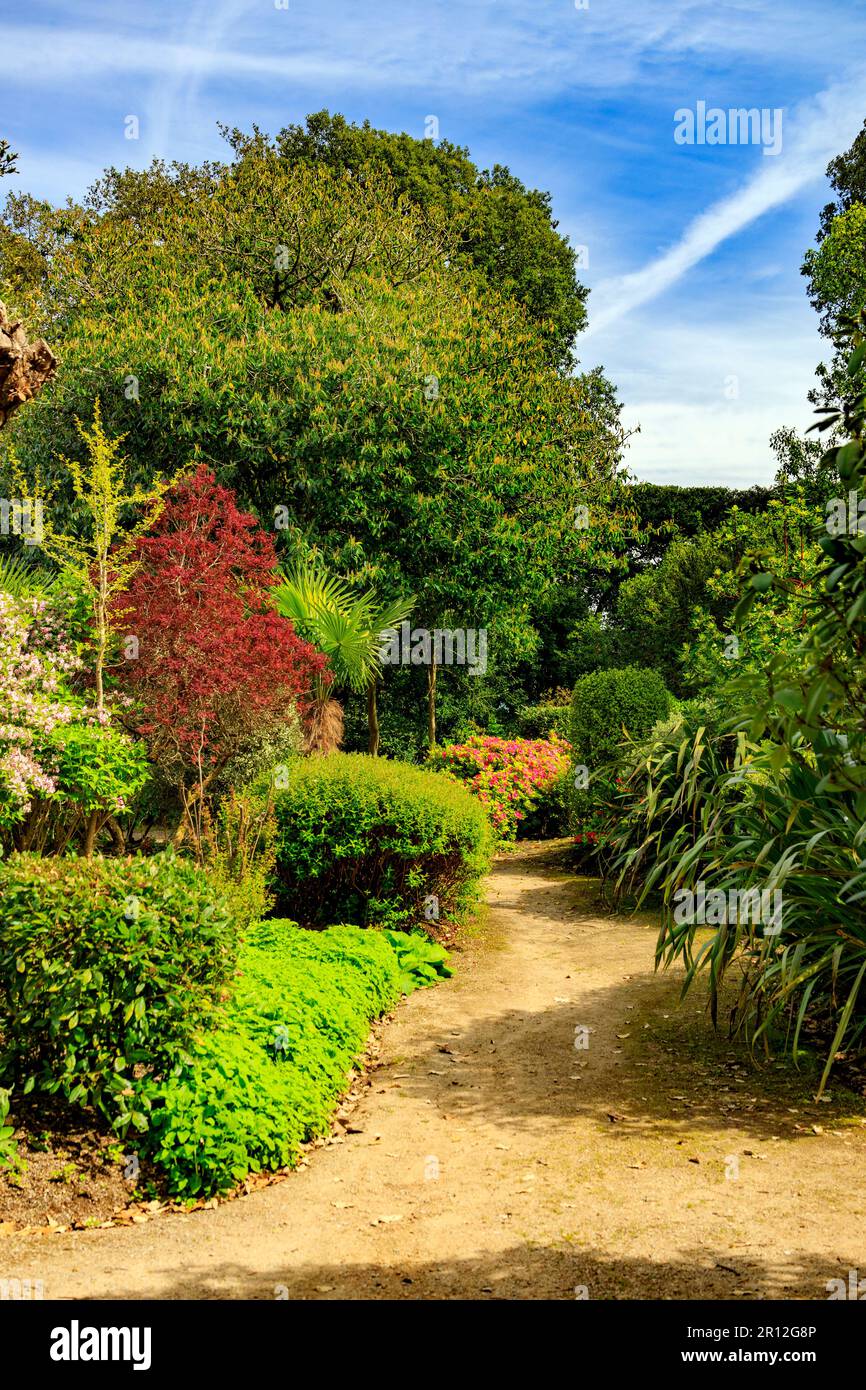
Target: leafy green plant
<point>365,840</point>
<point>422,961</point>
<point>241,851</point>
<point>607,705</point>
<point>348,627</point>
<point>98,766</point>
<point>540,721</point>
<point>251,1092</point>
<point>607,708</point>
<point>22,580</point>
<point>108,967</point>
<point>8,1143</point>
<point>776,803</point>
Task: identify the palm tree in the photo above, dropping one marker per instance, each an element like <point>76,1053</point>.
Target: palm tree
<point>348,628</point>
<point>24,581</point>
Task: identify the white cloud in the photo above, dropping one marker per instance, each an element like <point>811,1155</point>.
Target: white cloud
<point>812,136</point>
<point>708,385</point>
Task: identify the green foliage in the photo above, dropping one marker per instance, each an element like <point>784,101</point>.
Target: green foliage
<point>780,538</point>
<point>8,1142</point>
<point>608,704</point>
<point>241,851</point>
<point>345,625</point>
<point>97,765</point>
<point>507,232</point>
<point>837,269</point>
<point>776,803</point>
<point>372,841</point>
<point>373,356</point>
<point>107,968</point>
<point>668,512</point>
<point>541,721</point>
<point>421,961</point>
<point>267,1079</point>
<point>8,158</point>
<point>24,581</point>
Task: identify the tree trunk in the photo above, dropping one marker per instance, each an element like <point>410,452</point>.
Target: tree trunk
<point>324,727</point>
<point>372,719</point>
<point>24,366</point>
<point>90,833</point>
<point>431,702</point>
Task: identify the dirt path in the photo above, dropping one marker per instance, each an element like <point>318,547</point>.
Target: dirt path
<point>495,1160</point>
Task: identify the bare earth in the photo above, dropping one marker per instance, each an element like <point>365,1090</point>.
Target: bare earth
<point>497,1160</point>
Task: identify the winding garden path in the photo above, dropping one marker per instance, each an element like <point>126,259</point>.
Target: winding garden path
<point>490,1158</point>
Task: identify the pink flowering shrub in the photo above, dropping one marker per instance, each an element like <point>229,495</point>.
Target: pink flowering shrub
<point>54,747</point>
<point>510,776</point>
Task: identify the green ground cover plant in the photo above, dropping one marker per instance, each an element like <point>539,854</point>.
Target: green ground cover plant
<point>254,1090</point>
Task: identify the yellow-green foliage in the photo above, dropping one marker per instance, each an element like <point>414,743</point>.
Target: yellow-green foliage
<point>374,841</point>
<point>254,1090</point>
<point>100,556</point>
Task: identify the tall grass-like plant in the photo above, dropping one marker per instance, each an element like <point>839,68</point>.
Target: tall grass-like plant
<point>776,802</point>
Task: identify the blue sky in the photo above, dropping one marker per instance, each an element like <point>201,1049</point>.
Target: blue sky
<point>697,312</point>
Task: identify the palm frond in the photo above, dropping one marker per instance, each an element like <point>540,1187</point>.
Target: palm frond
<point>22,580</point>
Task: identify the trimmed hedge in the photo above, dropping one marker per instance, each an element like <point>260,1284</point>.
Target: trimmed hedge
<point>367,840</point>
<point>107,968</point>
<point>605,702</point>
<point>267,1080</point>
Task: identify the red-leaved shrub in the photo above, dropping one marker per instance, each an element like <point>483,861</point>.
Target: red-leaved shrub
<point>214,667</point>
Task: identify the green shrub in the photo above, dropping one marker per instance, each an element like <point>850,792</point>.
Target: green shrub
<point>607,706</point>
<point>107,968</point>
<point>422,962</point>
<point>367,840</point>
<point>8,1143</point>
<point>540,721</point>
<point>98,766</point>
<point>606,702</point>
<point>253,1091</point>
<point>240,851</point>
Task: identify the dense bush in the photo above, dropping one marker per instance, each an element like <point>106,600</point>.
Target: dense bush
<point>607,702</point>
<point>367,840</point>
<point>541,721</point>
<point>510,777</point>
<point>254,1090</point>
<point>60,759</point>
<point>107,968</point>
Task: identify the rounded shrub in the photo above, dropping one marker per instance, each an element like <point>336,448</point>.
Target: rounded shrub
<point>605,703</point>
<point>375,842</point>
<point>541,721</point>
<point>107,968</point>
<point>606,706</point>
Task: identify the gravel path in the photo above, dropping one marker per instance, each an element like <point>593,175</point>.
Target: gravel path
<point>493,1158</point>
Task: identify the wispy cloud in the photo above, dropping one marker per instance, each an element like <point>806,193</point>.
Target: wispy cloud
<point>812,136</point>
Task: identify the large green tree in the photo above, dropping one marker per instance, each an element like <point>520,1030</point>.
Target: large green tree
<point>836,266</point>
<point>315,338</point>
<point>505,230</point>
